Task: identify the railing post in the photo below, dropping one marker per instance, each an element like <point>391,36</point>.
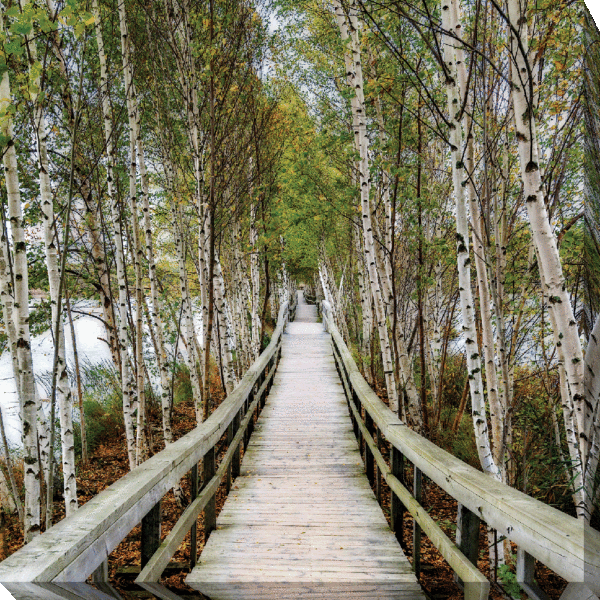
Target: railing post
<point>210,511</point>
<point>525,575</point>
<point>230,436</point>
<point>360,436</point>
<point>368,455</point>
<point>354,420</point>
<point>100,574</point>
<point>378,438</point>
<point>397,509</point>
<point>193,531</point>
<point>467,536</point>
<point>250,427</point>
<point>150,533</point>
<point>418,495</point>
<point>235,460</point>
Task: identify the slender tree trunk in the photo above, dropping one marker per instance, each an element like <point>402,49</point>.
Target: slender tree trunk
<point>564,324</point>
<point>137,250</point>
<point>348,26</point>
<point>116,215</point>
<point>456,90</point>
<point>255,284</point>
<point>224,327</point>
<point>63,389</point>
<point>11,472</point>
<point>28,397</point>
<point>495,399</point>
<point>82,428</point>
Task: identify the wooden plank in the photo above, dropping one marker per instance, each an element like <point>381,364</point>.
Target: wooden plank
<point>150,536</point>
<point>559,541</point>
<point>77,545</point>
<point>303,511</point>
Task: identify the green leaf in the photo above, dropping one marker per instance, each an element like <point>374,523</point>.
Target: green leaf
<point>21,27</point>
<point>14,47</point>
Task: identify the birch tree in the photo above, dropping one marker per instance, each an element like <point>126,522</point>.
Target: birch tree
<point>63,390</point>
<point>27,397</point>
<point>348,26</point>
<point>578,411</point>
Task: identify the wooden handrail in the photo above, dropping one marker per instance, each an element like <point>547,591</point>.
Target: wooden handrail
<point>154,568</point>
<point>476,585</point>
<point>561,542</point>
<point>72,549</point>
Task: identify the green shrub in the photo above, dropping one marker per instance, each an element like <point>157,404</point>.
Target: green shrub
<point>182,385</point>
<point>103,417</point>
<point>462,444</point>
<point>102,405</point>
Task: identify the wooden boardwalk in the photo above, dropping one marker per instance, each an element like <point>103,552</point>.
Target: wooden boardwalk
<point>301,521</point>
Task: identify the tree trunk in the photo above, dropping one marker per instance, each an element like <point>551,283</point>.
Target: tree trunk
<point>456,90</point>
<point>564,324</point>
<point>28,397</point>
<point>348,26</point>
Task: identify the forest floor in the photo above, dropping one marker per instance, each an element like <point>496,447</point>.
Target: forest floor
<point>108,463</point>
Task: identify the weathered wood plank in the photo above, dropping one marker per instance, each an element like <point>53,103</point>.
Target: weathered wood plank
<point>302,510</point>
<point>72,549</point>
<point>561,542</point>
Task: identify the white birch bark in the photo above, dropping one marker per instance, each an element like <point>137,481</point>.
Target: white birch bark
<point>8,303</point>
<point>192,359</point>
<point>564,324</point>
<point>455,74</point>
<point>592,391</point>
<point>433,322</point>
<point>254,284</point>
<point>348,26</point>
<point>63,389</point>
<point>485,306</point>
<point>365,299</point>
<point>242,300</point>
<point>137,250</point>
<point>28,401</point>
<point>156,322</point>
<point>224,328</point>
<point>117,236</point>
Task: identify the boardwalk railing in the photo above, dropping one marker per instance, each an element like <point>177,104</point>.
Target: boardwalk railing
<point>77,546</point>
<point>310,298</point>
<point>559,541</point>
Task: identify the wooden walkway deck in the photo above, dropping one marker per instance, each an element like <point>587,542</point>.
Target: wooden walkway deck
<point>301,521</point>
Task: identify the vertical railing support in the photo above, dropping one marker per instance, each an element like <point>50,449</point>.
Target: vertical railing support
<point>210,511</point>
<point>378,439</point>
<point>369,460</point>
<point>230,436</point>
<point>247,403</point>
<point>467,536</point>
<point>355,421</point>
<point>235,460</point>
<point>360,435</point>
<point>194,530</point>
<point>100,574</point>
<point>525,575</point>
<point>150,533</point>
<point>418,495</point>
<point>397,509</point>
